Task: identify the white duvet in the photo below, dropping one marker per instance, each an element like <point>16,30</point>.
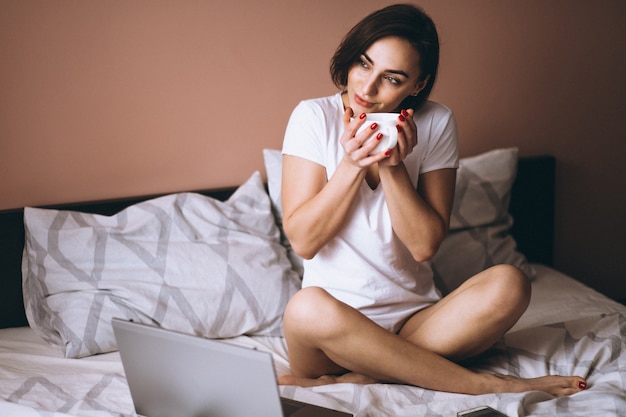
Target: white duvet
<point>568,329</point>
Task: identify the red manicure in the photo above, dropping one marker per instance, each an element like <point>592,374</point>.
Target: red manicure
<point>405,113</point>
<point>582,385</point>
<point>399,128</point>
<point>401,117</point>
<point>374,126</point>
<point>379,136</point>
<point>387,152</point>
<point>362,116</point>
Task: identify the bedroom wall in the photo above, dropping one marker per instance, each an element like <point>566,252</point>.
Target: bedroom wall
<point>109,99</point>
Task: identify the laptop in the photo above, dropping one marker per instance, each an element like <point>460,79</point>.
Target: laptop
<point>172,374</point>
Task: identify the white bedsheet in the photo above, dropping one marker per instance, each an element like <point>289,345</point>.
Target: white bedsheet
<point>568,328</point>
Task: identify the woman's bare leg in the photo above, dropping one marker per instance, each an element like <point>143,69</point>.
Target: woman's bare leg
<point>326,338</point>
<point>473,317</point>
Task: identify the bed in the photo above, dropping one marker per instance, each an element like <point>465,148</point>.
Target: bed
<point>215,263</point>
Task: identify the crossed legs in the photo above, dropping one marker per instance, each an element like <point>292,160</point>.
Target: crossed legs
<point>330,341</point>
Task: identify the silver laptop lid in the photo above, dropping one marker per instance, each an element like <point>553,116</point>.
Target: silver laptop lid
<point>173,374</point>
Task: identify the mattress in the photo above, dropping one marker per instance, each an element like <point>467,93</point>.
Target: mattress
<point>568,329</point>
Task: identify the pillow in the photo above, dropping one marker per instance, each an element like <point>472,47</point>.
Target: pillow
<point>480,222</point>
<point>479,225</point>
<point>183,261</point>
<point>273,160</point>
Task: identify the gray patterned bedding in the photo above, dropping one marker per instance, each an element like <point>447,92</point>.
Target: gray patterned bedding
<point>224,269</point>
<point>37,380</point>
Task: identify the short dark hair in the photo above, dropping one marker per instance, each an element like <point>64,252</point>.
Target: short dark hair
<point>401,20</point>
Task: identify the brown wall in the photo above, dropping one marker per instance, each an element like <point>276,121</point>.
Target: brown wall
<point>103,99</point>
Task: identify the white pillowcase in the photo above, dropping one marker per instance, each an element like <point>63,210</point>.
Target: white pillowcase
<point>480,222</point>
<point>184,261</point>
<point>479,226</point>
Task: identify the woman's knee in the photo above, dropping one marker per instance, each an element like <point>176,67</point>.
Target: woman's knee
<point>301,305</point>
<point>314,311</point>
<point>509,288</point>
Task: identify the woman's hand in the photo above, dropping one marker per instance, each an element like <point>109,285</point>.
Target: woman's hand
<point>357,149</point>
<point>407,139</point>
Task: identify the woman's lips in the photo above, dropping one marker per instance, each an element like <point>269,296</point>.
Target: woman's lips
<point>361,102</point>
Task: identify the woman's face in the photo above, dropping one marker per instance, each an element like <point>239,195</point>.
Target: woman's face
<point>386,74</point>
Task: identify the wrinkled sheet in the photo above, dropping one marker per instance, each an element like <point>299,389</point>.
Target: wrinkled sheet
<point>569,329</point>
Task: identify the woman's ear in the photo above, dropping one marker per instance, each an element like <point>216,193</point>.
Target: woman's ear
<point>420,85</point>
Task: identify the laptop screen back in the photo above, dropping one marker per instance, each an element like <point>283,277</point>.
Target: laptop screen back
<point>172,374</point>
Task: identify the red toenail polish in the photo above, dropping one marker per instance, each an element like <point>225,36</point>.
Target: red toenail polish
<point>582,385</point>
<point>362,116</point>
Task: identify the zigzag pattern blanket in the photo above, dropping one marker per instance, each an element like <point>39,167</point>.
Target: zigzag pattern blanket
<point>36,382</point>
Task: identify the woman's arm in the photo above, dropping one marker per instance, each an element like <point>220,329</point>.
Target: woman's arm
<point>314,208</point>
<point>421,217</point>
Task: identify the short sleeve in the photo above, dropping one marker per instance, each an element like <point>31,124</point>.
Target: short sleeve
<point>442,151</point>
<point>304,133</point>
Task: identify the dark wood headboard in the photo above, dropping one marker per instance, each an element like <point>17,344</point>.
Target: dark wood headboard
<point>532,207</point>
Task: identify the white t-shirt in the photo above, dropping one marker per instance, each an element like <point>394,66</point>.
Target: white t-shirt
<point>366,265</point>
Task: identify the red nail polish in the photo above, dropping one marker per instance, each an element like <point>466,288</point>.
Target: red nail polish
<point>399,128</point>
<point>582,385</point>
<point>379,136</point>
<point>387,152</point>
<point>401,118</point>
<point>362,116</point>
<point>405,113</point>
<point>374,126</point>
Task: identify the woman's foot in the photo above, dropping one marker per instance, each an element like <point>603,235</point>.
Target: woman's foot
<point>349,377</point>
<point>558,386</point>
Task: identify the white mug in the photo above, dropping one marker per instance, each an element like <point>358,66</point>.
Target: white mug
<point>387,125</point>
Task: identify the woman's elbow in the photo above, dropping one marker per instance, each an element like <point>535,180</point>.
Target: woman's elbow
<point>301,246</point>
<point>423,254</point>
<point>302,250</point>
<point>423,251</point>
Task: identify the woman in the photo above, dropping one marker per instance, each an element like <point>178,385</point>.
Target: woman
<point>365,224</point>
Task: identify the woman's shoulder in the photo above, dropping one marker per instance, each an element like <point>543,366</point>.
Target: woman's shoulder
<point>322,108</point>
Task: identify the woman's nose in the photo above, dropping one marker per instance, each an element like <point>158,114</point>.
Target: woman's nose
<point>369,87</point>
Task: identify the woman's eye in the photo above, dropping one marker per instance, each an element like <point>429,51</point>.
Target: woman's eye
<point>363,64</point>
<point>393,80</point>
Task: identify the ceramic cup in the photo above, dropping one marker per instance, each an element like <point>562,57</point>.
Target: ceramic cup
<point>387,123</point>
